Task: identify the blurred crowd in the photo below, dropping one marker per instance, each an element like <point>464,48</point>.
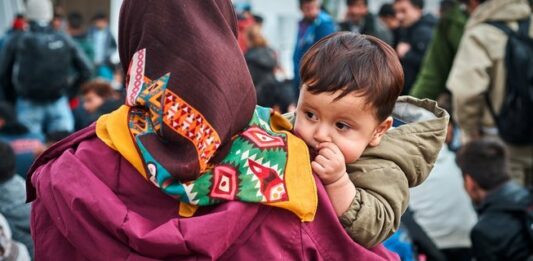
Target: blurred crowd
<point>58,75</point>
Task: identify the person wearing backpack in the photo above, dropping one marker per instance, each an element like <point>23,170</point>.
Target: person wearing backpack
<point>503,231</point>
<point>490,85</point>
<point>42,65</point>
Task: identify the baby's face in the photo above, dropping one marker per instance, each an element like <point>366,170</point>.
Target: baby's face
<point>347,122</point>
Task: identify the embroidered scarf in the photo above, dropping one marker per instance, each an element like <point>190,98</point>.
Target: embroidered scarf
<point>265,164</point>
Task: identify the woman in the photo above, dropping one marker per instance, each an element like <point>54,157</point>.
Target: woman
<point>165,176</point>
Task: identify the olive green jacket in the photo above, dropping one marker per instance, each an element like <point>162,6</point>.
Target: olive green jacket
<point>383,174</point>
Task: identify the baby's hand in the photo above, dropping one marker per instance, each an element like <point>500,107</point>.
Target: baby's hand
<point>329,165</point>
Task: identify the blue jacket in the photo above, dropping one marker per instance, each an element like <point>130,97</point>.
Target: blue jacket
<point>307,36</point>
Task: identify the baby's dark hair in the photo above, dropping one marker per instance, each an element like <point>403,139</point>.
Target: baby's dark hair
<point>358,64</point>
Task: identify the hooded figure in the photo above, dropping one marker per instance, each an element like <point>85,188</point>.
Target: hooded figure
<point>165,176</point>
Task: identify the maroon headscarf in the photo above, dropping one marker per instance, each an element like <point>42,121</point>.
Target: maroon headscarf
<point>196,42</point>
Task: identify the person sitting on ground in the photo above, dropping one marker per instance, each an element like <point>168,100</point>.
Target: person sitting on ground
<point>501,232</point>
<point>13,199</point>
<point>349,98</point>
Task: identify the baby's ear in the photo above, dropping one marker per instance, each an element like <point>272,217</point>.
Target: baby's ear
<point>382,128</point>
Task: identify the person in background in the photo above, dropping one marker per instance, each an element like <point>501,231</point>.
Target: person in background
<point>59,22</point>
<point>415,36</point>
<point>39,65</point>
<point>479,77</point>
<point>13,198</point>
<point>262,63</point>
<point>387,15</point>
<point>104,46</point>
<point>314,25</point>
<point>27,145</point>
<point>80,36</point>
<point>18,26</point>
<point>438,60</point>
<point>98,98</point>
<point>245,19</point>
<point>502,232</point>
<point>360,20</point>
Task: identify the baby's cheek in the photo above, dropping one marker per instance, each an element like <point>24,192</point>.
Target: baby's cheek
<point>352,153</point>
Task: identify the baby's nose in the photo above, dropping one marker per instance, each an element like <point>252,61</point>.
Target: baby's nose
<point>322,134</point>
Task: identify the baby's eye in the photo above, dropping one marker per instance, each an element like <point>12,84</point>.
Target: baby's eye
<point>311,116</point>
<point>342,126</point>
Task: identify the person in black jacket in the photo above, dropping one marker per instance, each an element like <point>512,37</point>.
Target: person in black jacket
<point>415,34</point>
<point>501,232</point>
<point>43,66</point>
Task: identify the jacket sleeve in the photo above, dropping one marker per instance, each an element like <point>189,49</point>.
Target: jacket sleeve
<point>376,210</point>
<point>468,81</point>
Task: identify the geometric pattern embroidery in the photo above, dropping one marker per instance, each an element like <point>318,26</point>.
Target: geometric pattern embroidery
<point>135,76</point>
<point>271,185</point>
<point>260,138</point>
<point>191,124</point>
<point>150,97</point>
<point>224,183</point>
<point>253,170</point>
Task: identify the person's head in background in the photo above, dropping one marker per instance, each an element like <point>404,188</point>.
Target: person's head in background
<point>100,21</point>
<point>258,20</point>
<point>75,23</point>
<point>408,12</point>
<point>39,11</point>
<point>445,6</point>
<point>255,37</point>
<point>471,5</point>
<point>95,93</point>
<point>59,22</point>
<point>7,162</point>
<point>356,10</point>
<point>310,9</point>
<point>484,163</point>
<point>19,23</point>
<point>388,16</point>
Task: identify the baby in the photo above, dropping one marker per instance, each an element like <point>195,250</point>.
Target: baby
<point>351,84</point>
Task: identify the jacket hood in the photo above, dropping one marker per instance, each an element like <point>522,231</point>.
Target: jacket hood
<point>509,197</point>
<point>499,10</point>
<point>416,143</point>
<point>261,57</point>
